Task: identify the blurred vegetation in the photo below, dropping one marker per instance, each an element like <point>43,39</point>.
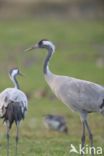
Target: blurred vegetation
<point>79,53</point>
<point>70,9</point>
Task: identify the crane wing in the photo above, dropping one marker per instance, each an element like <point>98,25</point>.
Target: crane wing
<point>12,95</point>
<point>78,94</point>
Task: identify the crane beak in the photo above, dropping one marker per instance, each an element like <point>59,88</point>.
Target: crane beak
<point>31,48</point>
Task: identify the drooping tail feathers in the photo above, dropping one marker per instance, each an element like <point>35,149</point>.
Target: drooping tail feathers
<point>13,113</point>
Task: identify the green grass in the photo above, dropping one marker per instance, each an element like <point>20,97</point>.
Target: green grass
<point>78,46</point>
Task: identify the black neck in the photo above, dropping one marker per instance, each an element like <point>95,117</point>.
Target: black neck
<point>16,83</point>
<point>45,67</point>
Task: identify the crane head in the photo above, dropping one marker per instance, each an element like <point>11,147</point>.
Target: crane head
<point>44,43</point>
<point>14,72</point>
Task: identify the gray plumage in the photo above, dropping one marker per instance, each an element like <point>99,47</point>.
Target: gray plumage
<point>55,122</point>
<point>79,95</point>
<point>13,106</point>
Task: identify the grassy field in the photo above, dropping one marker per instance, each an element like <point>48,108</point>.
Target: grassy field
<point>79,46</point>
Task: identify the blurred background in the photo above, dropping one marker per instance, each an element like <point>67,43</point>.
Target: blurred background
<point>76,27</point>
<point>71,9</point>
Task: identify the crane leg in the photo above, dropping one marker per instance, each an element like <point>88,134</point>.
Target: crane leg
<point>17,137</point>
<point>90,137</point>
<point>7,136</point>
<point>83,138</point>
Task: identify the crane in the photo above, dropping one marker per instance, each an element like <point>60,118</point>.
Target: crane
<point>55,122</point>
<point>79,95</point>
<point>13,106</point>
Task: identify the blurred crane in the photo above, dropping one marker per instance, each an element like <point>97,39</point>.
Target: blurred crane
<point>80,95</point>
<point>13,105</point>
<point>55,122</point>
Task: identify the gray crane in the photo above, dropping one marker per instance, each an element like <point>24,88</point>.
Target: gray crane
<point>81,96</point>
<point>13,105</point>
<point>55,122</point>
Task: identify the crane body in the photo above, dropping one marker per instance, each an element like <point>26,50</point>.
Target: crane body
<point>13,106</point>
<point>79,95</point>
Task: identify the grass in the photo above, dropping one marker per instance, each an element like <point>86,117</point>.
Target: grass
<point>79,44</point>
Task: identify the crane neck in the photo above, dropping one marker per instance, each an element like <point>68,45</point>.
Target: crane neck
<point>46,70</point>
<point>15,82</point>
